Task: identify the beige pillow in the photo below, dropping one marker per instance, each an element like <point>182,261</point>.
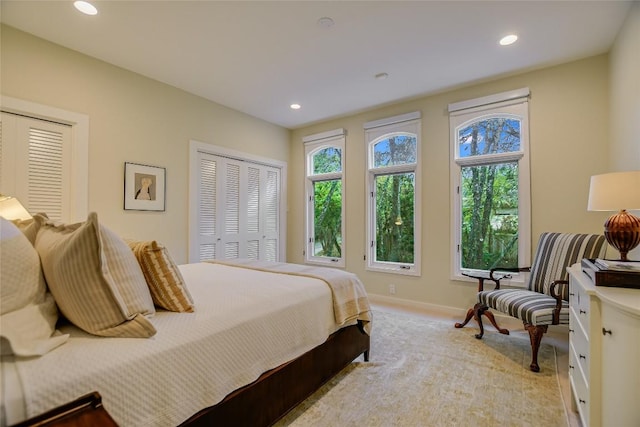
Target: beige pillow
<point>165,282</point>
<point>28,314</point>
<point>30,227</point>
<point>95,279</point>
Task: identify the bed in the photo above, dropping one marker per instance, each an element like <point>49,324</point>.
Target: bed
<point>262,338</point>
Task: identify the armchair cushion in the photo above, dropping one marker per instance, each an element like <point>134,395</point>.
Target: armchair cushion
<point>531,307</point>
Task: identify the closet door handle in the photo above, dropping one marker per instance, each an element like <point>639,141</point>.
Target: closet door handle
<point>606,331</point>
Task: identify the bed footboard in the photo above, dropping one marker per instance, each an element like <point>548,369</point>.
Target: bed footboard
<point>279,390</point>
<point>84,411</point>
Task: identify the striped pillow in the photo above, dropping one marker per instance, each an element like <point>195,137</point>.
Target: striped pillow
<point>95,279</point>
<point>168,289</point>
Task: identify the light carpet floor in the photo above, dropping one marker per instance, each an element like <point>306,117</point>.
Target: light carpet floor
<point>427,373</point>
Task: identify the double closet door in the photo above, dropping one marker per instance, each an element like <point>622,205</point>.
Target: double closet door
<point>238,209</point>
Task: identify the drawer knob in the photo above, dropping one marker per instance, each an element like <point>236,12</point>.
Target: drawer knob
<point>606,331</point>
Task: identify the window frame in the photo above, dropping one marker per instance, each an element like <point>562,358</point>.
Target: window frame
<point>512,104</point>
<point>376,131</point>
<point>312,145</point>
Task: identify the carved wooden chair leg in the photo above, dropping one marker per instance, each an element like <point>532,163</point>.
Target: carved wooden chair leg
<point>478,310</point>
<point>466,319</point>
<point>535,335</point>
<point>492,319</point>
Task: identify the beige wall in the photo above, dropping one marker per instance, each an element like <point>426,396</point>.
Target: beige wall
<point>625,101</point>
<point>625,96</point>
<point>132,119</point>
<point>569,124</point>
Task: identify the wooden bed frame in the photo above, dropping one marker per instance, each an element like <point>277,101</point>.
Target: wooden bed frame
<point>260,403</point>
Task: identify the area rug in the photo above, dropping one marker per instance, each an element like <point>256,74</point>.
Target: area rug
<point>427,373</point>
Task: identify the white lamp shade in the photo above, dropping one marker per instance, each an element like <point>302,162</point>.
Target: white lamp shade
<point>615,191</point>
<point>11,208</point>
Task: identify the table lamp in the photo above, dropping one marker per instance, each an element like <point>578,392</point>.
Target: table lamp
<point>618,191</point>
<point>11,208</point>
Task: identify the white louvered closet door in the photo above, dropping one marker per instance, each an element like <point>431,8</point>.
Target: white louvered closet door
<point>238,209</point>
<point>35,164</point>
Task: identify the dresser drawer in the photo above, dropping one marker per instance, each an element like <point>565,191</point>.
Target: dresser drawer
<point>580,303</point>
<point>579,345</point>
<point>580,392</point>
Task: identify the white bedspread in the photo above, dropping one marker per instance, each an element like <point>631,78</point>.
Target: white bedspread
<point>350,301</point>
<point>246,322</point>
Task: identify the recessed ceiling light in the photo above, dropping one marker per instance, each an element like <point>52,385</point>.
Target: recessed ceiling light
<point>381,76</point>
<point>507,40</point>
<point>85,7</point>
<point>295,106</point>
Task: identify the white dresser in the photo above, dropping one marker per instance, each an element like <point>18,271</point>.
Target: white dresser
<point>604,352</point>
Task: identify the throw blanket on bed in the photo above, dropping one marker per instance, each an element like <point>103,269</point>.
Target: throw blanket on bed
<point>350,301</point>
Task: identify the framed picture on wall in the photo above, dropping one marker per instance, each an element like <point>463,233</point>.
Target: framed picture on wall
<point>144,187</point>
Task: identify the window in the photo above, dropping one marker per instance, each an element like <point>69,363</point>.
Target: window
<point>393,189</point>
<point>239,200</point>
<point>324,189</point>
<point>490,182</point>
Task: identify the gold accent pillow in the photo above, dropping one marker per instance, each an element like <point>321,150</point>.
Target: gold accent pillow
<point>167,286</point>
<point>95,279</point>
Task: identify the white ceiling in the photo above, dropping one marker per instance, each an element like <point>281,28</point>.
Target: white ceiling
<point>259,57</point>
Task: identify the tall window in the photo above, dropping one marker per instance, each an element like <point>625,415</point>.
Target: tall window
<point>325,198</point>
<point>393,181</point>
<point>490,180</point>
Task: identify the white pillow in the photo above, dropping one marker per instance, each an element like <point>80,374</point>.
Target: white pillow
<point>28,312</point>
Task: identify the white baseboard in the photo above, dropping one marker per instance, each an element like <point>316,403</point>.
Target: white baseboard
<point>422,307</point>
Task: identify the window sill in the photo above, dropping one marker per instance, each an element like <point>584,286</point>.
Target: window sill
<point>326,263</point>
<point>394,270</point>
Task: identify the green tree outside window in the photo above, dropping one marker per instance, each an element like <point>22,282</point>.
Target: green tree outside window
<point>489,195</point>
<point>394,203</point>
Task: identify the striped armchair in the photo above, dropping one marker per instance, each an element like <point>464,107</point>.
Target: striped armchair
<point>545,302</point>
